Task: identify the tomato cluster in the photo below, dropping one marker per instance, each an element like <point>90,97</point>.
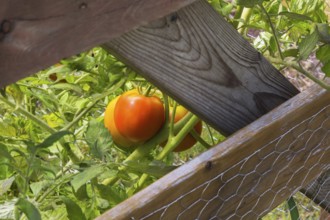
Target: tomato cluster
<point>133,118</point>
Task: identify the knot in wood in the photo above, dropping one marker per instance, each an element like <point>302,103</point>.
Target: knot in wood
<point>83,5</point>
<point>5,26</point>
<point>174,17</point>
<point>208,165</point>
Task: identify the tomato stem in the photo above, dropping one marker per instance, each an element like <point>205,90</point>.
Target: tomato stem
<point>200,139</point>
<point>173,142</point>
<point>172,121</point>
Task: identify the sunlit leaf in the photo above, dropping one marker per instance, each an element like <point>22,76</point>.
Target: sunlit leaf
<point>86,175</point>
<point>5,185</point>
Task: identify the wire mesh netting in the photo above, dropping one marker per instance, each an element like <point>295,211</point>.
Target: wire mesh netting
<point>251,180</point>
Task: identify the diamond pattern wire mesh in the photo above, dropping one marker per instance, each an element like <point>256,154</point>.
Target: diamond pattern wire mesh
<point>308,139</point>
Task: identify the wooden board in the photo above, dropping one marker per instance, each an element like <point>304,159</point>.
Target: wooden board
<point>199,59</point>
<point>35,34</point>
<point>249,174</point>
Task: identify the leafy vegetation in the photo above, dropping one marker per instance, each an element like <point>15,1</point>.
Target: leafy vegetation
<point>58,161</point>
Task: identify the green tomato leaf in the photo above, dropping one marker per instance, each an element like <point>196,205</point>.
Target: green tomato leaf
<point>113,194</point>
<point>326,69</point>
<point>323,53</point>
<point>295,16</point>
<point>67,86</point>
<point>324,32</point>
<point>155,168</point>
<point>7,130</point>
<point>4,152</point>
<point>73,209</point>
<point>85,176</point>
<point>98,138</point>
<point>52,139</point>
<point>307,45</point>
<point>249,3</point>
<point>31,212</point>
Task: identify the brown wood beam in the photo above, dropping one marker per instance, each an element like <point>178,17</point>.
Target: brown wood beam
<point>35,34</point>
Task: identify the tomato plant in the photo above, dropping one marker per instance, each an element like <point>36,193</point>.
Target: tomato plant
<point>138,117</point>
<point>188,140</point>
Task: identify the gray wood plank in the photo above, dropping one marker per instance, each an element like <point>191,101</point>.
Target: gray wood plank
<point>35,34</point>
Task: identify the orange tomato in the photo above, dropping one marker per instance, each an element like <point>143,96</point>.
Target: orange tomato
<point>138,117</point>
<point>111,126</point>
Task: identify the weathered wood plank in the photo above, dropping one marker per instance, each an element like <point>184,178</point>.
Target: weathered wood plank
<point>37,33</point>
<point>247,175</point>
<point>201,61</point>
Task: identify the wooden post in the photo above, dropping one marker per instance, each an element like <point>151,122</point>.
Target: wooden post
<point>35,34</point>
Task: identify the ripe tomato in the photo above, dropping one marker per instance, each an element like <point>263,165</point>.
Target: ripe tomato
<point>111,126</point>
<point>138,117</point>
<point>189,140</point>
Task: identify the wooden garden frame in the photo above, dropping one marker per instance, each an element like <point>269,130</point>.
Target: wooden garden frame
<point>38,34</point>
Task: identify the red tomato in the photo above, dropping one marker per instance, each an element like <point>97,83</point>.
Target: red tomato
<point>189,140</point>
<point>138,117</point>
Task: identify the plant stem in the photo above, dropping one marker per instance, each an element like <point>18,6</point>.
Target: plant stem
<point>246,14</point>
<point>273,30</point>
<point>200,139</point>
<point>237,16</point>
<point>210,133</point>
<point>175,141</point>
<point>27,114</point>
<point>298,67</point>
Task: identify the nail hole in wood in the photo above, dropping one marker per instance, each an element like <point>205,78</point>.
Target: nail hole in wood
<point>5,26</point>
<point>83,5</point>
<point>208,165</point>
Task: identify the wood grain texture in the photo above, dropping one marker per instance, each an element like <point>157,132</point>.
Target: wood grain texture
<point>249,174</point>
<point>35,34</point>
<point>199,59</point>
